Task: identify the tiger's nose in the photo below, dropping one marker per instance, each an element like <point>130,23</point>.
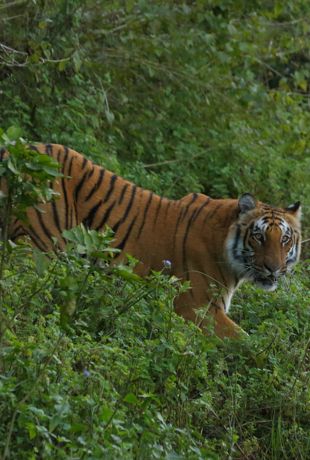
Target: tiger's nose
<point>272,269</point>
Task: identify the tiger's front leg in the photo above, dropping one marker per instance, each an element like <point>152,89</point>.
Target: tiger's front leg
<point>223,325</point>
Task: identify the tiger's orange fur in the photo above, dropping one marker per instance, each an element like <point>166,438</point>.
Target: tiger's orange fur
<point>211,243</point>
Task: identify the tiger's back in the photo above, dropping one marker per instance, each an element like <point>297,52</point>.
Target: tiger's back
<point>204,239</point>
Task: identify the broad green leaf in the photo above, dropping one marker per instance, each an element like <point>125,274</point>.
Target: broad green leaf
<point>131,398</point>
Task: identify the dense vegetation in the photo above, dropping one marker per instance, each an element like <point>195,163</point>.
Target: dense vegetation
<point>208,96</point>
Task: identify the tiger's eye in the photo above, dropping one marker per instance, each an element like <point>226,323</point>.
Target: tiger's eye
<point>285,239</point>
<point>258,237</point>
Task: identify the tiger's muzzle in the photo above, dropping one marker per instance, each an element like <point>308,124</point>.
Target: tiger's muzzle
<point>268,278</point>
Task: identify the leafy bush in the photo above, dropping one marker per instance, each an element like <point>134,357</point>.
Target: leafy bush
<point>185,97</point>
<point>95,363</point>
<point>194,96</point>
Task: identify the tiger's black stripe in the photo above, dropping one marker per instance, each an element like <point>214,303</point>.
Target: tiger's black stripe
<point>188,227</point>
<point>92,214</point>
<point>66,152</point>
<point>84,163</point>
<point>63,183</point>
<point>246,234</point>
<point>91,172</point>
<point>122,194</point>
<point>79,186</point>
<point>212,213</point>
<point>106,216</point>
<point>111,188</point>
<point>129,206</point>
<point>56,217</point>
<point>185,211</point>
<point>157,211</point>
<point>97,185</point>
<point>48,149</point>
<point>167,208</point>
<point>181,217</point>
<point>124,241</point>
<point>64,192</point>
<point>144,214</point>
<point>17,232</point>
<point>70,166</point>
<point>293,258</point>
<point>58,159</point>
<point>36,239</point>
<point>177,226</point>
<point>43,226</point>
<point>198,210</point>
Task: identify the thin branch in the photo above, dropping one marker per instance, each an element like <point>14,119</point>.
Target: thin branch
<point>161,163</point>
<point>269,67</point>
<point>175,160</point>
<point>8,5</point>
<point>9,18</point>
<point>11,50</point>
<point>14,63</point>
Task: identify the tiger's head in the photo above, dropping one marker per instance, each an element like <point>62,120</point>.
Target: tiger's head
<point>264,243</point>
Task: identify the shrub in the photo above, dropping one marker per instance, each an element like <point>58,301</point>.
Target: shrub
<point>95,363</point>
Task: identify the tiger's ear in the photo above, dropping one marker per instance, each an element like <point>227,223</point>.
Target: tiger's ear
<point>294,209</point>
<point>247,202</point>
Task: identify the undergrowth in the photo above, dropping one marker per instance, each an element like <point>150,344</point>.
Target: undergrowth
<point>95,364</point>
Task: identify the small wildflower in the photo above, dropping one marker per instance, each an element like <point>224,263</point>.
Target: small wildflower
<point>167,264</point>
<point>86,373</point>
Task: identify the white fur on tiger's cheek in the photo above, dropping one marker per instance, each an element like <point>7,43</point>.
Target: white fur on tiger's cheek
<point>227,299</point>
<point>235,253</point>
<point>292,257</point>
<point>235,265</point>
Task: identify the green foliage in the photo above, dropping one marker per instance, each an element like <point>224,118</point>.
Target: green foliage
<point>95,363</point>
<point>25,174</point>
<point>204,96</point>
<point>177,96</point>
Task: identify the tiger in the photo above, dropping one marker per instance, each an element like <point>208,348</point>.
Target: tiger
<point>214,244</point>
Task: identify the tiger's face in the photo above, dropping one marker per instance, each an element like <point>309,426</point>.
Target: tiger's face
<point>264,243</point>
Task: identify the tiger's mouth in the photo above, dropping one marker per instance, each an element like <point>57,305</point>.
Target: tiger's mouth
<point>268,283</point>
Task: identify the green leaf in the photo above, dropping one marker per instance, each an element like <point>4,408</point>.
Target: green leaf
<point>52,171</point>
<point>32,430</point>
<point>32,166</point>
<point>126,273</point>
<point>41,262</point>
<point>106,413</point>
<point>12,167</point>
<point>14,133</point>
<point>131,398</point>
